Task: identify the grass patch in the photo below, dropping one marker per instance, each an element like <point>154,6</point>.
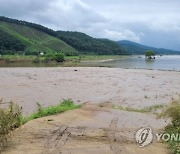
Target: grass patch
<point>148,109</point>
<point>51,110</point>
<point>17,58</point>
<point>173,112</point>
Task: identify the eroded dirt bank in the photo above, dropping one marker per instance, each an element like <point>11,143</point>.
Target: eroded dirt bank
<point>88,130</point>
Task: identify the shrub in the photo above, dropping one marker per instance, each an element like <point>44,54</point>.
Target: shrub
<point>71,53</point>
<point>36,60</point>
<point>173,112</point>
<point>59,57</point>
<point>49,57</point>
<point>10,119</point>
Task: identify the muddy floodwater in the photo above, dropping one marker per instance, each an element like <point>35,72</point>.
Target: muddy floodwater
<point>160,63</point>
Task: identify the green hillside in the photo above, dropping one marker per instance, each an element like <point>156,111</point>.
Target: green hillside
<point>36,38</point>
<point>32,39</point>
<point>8,42</point>
<point>89,45</point>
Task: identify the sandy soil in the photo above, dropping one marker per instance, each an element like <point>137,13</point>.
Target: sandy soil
<point>135,88</point>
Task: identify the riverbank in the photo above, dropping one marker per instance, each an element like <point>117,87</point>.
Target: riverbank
<point>33,59</point>
<point>166,63</point>
<point>90,129</point>
<point>45,61</point>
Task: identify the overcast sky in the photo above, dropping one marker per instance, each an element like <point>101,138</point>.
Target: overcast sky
<point>155,23</point>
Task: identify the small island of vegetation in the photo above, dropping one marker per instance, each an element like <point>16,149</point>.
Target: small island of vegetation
<point>150,54</point>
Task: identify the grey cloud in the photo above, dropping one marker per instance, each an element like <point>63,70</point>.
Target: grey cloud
<point>156,22</point>
<point>21,8</point>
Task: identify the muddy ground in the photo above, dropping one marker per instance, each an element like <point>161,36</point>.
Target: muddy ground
<point>96,127</point>
<point>88,130</point>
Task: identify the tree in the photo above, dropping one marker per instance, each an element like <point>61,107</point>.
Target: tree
<point>59,57</point>
<point>150,54</point>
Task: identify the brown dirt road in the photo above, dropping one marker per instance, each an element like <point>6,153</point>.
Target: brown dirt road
<point>88,130</point>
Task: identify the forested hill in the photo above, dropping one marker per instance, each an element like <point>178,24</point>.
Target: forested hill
<point>135,48</point>
<point>28,38</point>
<point>25,37</point>
<point>29,24</point>
<point>86,44</point>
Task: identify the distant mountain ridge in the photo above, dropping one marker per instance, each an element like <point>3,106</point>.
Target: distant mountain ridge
<point>135,48</point>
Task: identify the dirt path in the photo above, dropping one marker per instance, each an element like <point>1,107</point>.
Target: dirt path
<point>88,130</point>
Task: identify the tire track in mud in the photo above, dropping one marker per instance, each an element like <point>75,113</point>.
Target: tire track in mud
<point>115,146</point>
<point>56,141</point>
<point>58,138</point>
